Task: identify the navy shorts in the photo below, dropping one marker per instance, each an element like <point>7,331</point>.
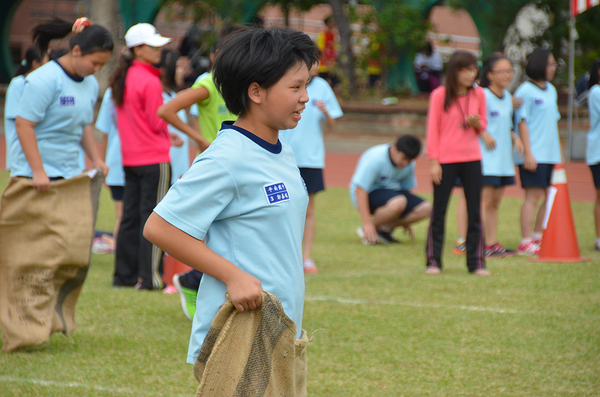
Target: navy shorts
<point>117,192</point>
<point>540,178</point>
<point>313,178</point>
<point>498,181</point>
<point>596,174</point>
<point>380,197</point>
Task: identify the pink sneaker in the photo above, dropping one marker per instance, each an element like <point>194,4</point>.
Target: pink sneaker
<point>530,248</point>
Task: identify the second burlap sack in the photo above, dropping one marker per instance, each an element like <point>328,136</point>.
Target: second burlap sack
<point>253,353</point>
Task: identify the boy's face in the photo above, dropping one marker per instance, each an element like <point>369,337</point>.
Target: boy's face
<point>285,100</point>
<point>399,158</point>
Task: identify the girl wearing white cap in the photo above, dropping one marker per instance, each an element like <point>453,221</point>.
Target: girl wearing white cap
<point>145,143</point>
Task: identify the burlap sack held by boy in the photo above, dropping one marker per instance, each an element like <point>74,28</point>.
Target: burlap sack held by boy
<point>253,353</point>
<point>45,252</point>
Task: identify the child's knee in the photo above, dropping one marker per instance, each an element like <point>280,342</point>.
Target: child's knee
<point>397,204</point>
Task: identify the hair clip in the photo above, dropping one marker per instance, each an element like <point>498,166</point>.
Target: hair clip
<point>80,24</point>
<point>24,62</point>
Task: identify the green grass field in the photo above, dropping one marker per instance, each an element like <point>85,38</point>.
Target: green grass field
<point>381,327</point>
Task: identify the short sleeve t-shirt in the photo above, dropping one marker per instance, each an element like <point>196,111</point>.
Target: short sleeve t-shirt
<point>212,112</point>
<point>307,138</point>
<point>375,170</point>
<point>61,105</point>
<point>180,155</point>
<point>499,161</point>
<point>107,123</point>
<point>593,139</point>
<point>540,111</point>
<point>11,105</point>
<point>246,198</point>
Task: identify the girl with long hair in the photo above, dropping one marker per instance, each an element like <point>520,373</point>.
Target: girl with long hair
<point>457,118</point>
<point>537,122</point>
<point>57,106</point>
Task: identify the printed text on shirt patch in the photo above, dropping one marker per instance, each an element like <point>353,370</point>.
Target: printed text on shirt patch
<point>494,113</point>
<point>276,193</point>
<point>539,101</point>
<point>67,101</point>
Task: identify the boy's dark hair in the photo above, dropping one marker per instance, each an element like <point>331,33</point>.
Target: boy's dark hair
<point>487,67</point>
<point>594,70</point>
<point>259,56</point>
<point>410,145</point>
<point>537,62</point>
<point>458,60</point>
<point>93,38</point>
<point>32,54</point>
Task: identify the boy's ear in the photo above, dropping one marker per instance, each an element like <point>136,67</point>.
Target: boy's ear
<point>255,93</point>
<point>76,50</point>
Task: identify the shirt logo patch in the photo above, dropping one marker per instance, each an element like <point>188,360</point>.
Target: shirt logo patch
<point>67,101</point>
<point>276,193</point>
<point>382,178</point>
<point>222,109</point>
<point>539,101</point>
<point>494,113</point>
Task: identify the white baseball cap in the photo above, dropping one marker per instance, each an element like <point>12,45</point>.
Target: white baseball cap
<point>144,33</point>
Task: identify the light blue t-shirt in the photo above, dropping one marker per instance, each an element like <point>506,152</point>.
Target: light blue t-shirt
<point>593,139</point>
<point>62,105</point>
<point>540,111</point>
<point>107,123</point>
<point>247,198</point>
<point>375,170</point>
<point>307,138</point>
<point>11,105</point>
<point>180,155</point>
<point>498,162</point>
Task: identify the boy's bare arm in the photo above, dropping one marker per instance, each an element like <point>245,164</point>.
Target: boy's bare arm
<point>362,200</point>
<point>243,288</point>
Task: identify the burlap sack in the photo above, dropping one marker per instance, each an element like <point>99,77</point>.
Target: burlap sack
<point>45,251</point>
<point>253,353</point>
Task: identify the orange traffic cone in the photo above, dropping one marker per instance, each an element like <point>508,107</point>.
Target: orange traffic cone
<point>559,241</point>
<point>171,267</point>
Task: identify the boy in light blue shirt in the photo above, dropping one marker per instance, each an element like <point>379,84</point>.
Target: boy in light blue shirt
<point>593,141</point>
<point>238,214</point>
<point>380,190</point>
<point>307,142</point>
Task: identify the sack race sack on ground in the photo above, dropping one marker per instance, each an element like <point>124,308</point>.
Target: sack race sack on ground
<point>252,353</point>
<point>45,251</point>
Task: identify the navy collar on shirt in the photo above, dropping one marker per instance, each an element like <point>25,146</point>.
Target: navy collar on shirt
<point>74,78</point>
<point>273,148</point>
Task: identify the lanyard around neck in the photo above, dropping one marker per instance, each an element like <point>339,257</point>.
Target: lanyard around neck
<point>462,113</point>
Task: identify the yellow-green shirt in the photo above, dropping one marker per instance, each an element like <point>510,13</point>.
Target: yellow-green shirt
<point>212,111</point>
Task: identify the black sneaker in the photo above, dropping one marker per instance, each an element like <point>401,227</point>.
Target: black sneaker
<point>386,237</point>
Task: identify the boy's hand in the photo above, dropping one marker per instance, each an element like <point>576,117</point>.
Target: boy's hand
<point>370,234</point>
<point>408,230</point>
<point>518,144</point>
<point>40,181</point>
<point>175,139</point>
<point>245,292</point>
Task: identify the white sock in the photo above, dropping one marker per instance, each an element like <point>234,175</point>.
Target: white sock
<point>526,241</point>
<point>536,236</point>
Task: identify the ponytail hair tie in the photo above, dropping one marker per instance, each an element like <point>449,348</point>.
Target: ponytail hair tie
<point>80,24</point>
<point>24,62</point>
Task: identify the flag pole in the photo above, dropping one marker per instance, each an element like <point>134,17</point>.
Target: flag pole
<point>572,34</point>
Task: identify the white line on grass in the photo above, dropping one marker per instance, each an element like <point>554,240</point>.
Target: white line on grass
<point>434,306</point>
<point>77,385</point>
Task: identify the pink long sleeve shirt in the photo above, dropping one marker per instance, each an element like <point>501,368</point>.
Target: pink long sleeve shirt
<point>447,139</point>
<point>145,138</point>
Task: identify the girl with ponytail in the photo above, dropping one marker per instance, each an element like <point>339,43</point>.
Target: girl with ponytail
<point>57,105</point>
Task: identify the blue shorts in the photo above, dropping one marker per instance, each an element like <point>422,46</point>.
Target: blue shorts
<point>540,178</point>
<point>117,192</point>
<point>596,174</point>
<point>380,197</point>
<point>313,178</point>
<point>498,181</point>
